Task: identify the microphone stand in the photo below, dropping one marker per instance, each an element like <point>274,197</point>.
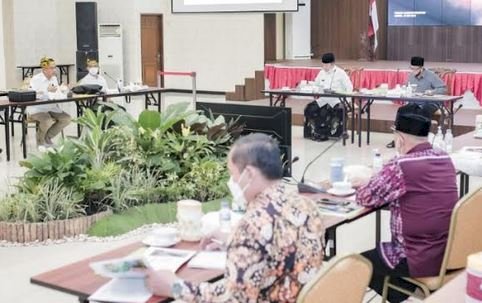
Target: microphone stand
<point>310,187</point>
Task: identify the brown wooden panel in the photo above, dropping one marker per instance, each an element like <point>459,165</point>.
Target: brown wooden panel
<point>337,26</point>
<point>250,89</point>
<point>259,79</point>
<point>269,37</point>
<point>435,43</point>
<point>151,48</point>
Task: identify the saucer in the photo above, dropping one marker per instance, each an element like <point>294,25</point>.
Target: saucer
<point>344,193</point>
<point>152,241</point>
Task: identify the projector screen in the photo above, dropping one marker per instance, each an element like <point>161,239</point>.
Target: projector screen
<point>434,12</point>
<point>227,6</point>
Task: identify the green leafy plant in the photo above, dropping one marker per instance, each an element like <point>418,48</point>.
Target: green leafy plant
<point>120,163</point>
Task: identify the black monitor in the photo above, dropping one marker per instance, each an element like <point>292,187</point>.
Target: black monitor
<point>273,121</point>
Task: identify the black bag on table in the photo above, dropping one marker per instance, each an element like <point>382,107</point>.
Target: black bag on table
<point>87,89</point>
<point>323,123</point>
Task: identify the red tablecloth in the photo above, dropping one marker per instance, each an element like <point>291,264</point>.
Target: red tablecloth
<point>282,76</point>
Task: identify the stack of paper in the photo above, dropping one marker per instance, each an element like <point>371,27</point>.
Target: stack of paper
<point>209,260</point>
<point>122,291</point>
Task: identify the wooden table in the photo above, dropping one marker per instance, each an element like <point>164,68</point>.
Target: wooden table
<point>467,139</point>
<point>81,101</point>
<point>277,97</point>
<point>28,70</point>
<point>331,223</point>
<point>452,292</point>
<point>79,279</point>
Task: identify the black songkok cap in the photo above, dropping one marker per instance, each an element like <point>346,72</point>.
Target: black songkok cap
<point>328,58</point>
<point>413,124</point>
<point>417,61</point>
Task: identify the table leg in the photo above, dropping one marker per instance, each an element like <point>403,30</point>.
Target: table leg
<point>353,102</point>
<point>467,183</point>
<point>270,99</point>
<point>67,73</point>
<point>443,119</point>
<point>369,122</point>
<point>344,109</point>
<point>24,134</point>
<point>79,114</point>
<point>159,108</point>
<point>378,226</point>
<point>7,132</point>
<point>360,112</point>
<point>330,240</point>
<point>462,185</point>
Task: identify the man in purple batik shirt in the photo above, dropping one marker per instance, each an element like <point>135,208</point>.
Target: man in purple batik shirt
<point>419,186</point>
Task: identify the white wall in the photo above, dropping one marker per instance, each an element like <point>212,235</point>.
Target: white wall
<point>222,48</point>
<point>43,28</point>
<point>3,81</point>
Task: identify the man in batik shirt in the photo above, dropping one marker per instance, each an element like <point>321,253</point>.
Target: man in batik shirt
<point>277,246</point>
<point>420,188</point>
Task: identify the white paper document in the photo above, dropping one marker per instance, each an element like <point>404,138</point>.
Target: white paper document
<point>209,260</point>
<point>167,258</point>
<point>122,291</point>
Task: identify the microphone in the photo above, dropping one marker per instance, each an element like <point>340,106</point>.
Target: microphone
<point>115,81</point>
<point>309,187</point>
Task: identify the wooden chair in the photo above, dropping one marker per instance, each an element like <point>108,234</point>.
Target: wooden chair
<point>464,239</point>
<point>343,280</point>
<point>447,75</point>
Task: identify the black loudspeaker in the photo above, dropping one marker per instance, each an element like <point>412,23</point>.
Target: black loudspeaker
<point>86,20</point>
<point>81,61</point>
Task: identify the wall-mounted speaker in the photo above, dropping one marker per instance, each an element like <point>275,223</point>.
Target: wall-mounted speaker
<point>86,20</point>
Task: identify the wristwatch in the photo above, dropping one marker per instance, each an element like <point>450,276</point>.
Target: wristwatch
<point>176,288</point>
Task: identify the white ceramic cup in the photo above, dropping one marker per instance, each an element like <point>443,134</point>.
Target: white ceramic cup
<point>342,186</point>
<point>165,234</point>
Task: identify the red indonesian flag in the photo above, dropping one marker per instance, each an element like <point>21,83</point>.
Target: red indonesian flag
<point>373,22</point>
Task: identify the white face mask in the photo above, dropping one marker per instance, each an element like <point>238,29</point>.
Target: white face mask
<point>239,201</point>
<point>93,71</point>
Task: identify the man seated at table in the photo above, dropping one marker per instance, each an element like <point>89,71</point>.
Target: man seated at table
<point>93,77</point>
<point>332,78</point>
<point>50,118</point>
<point>276,247</point>
<point>420,188</point>
<point>426,82</point>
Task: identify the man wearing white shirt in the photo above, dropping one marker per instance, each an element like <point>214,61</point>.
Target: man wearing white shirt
<point>50,118</point>
<point>331,77</point>
<point>93,76</point>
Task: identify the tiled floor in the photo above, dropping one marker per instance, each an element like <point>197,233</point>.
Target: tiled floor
<point>18,264</point>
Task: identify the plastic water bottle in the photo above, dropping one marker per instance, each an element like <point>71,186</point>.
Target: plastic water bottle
<point>438,141</point>
<point>120,85</point>
<point>449,139</point>
<point>377,161</point>
<point>225,217</point>
<point>336,170</point>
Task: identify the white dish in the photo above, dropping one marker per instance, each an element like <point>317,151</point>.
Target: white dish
<point>159,242</point>
<point>344,193</point>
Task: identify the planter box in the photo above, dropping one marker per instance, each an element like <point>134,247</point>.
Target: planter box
<point>53,230</point>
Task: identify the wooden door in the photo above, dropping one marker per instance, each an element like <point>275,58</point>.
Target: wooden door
<point>269,37</point>
<point>151,48</point>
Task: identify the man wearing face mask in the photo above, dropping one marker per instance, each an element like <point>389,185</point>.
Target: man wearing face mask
<point>93,77</point>
<point>331,77</point>
<point>420,188</point>
<point>276,247</point>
